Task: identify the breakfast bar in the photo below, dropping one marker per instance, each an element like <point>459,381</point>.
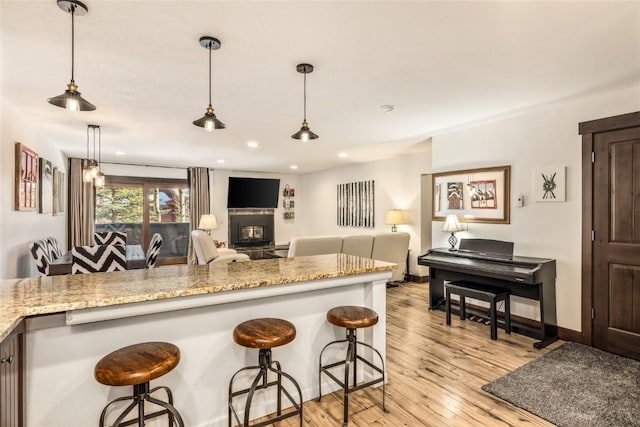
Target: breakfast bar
<point>73,321</point>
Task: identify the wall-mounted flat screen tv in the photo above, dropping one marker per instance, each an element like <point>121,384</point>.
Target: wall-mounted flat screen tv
<point>253,192</point>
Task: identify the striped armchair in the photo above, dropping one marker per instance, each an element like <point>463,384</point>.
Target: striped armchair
<point>110,238</point>
<point>98,259</point>
<point>154,250</point>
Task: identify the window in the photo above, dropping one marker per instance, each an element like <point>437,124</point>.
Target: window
<point>142,207</point>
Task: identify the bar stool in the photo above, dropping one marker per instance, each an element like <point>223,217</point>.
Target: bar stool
<point>264,334</point>
<point>352,318</point>
<point>137,365</point>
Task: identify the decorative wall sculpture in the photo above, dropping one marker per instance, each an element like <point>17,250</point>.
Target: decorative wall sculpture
<point>356,204</point>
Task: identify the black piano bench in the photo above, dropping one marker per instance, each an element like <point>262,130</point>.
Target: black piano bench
<point>481,292</point>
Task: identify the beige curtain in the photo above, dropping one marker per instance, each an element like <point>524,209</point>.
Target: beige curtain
<point>199,203</point>
<point>81,206</point>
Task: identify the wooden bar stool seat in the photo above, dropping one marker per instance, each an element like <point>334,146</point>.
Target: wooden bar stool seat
<point>264,334</point>
<point>136,365</point>
<point>352,318</point>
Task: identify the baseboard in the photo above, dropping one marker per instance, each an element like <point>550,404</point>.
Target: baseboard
<point>417,279</point>
<point>570,335</point>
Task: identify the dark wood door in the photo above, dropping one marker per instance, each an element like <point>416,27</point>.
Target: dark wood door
<point>616,247</point>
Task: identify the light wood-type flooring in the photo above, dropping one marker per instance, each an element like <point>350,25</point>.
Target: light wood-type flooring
<point>435,372</point>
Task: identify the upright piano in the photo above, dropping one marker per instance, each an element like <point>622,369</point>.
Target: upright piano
<point>491,262</point>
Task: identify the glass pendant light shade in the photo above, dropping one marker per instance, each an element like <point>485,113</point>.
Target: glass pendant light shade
<point>71,98</point>
<point>209,121</point>
<point>99,180</point>
<point>304,134</point>
<point>91,172</point>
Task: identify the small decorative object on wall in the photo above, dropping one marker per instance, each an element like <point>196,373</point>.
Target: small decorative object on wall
<point>454,196</point>
<point>26,179</point>
<point>356,204</point>
<point>58,191</point>
<point>473,195</point>
<point>287,202</point>
<point>549,184</point>
<point>45,175</point>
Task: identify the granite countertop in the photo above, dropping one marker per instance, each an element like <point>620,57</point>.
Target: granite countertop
<point>20,298</point>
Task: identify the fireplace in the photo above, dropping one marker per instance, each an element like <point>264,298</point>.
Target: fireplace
<point>251,228</point>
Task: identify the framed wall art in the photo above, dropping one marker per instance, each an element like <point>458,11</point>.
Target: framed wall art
<point>549,184</point>
<point>26,179</point>
<point>356,204</point>
<point>45,186</point>
<point>58,191</point>
<point>473,195</point>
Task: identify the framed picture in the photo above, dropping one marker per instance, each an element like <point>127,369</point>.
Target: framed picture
<point>474,195</point>
<point>58,191</point>
<point>483,194</point>
<point>549,184</point>
<point>26,179</point>
<point>45,188</point>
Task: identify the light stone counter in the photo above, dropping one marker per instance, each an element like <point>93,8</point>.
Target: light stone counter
<point>73,321</point>
<point>20,298</point>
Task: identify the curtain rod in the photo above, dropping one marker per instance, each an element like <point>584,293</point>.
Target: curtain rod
<point>147,166</point>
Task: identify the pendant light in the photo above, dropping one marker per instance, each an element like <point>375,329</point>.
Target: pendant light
<point>209,121</point>
<point>71,98</point>
<point>304,133</point>
<point>91,172</point>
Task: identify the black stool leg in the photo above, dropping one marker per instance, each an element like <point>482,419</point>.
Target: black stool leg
<point>447,307</point>
<point>507,314</point>
<point>463,308</point>
<point>345,390</point>
<point>494,320</point>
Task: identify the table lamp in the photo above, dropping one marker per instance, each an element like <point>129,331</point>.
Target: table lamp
<point>452,225</point>
<point>395,217</point>
<point>208,222</point>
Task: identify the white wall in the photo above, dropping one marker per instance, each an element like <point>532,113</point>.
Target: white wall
<point>284,229</point>
<point>19,228</point>
<point>397,186</point>
<point>540,137</point>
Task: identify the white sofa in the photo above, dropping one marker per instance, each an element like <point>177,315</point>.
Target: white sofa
<point>207,253</point>
<point>385,246</point>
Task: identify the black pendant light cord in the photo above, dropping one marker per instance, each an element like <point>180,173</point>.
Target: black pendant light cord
<point>73,9</point>
<point>210,74</point>
<point>305,96</point>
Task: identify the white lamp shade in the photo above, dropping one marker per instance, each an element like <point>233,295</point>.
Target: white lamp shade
<point>452,224</point>
<point>208,222</point>
<point>395,216</point>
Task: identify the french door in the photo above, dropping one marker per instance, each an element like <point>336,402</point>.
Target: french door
<point>142,207</point>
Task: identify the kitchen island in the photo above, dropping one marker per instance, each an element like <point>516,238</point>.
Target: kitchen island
<point>72,321</point>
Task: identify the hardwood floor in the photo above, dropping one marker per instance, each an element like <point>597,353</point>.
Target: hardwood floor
<point>435,372</point>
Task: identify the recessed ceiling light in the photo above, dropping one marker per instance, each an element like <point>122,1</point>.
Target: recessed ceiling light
<point>387,108</point>
<point>120,153</point>
<point>220,160</point>
<point>342,154</point>
<point>294,166</point>
<point>252,144</point>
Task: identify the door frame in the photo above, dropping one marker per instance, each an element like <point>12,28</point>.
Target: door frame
<point>588,130</point>
<point>146,184</point>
